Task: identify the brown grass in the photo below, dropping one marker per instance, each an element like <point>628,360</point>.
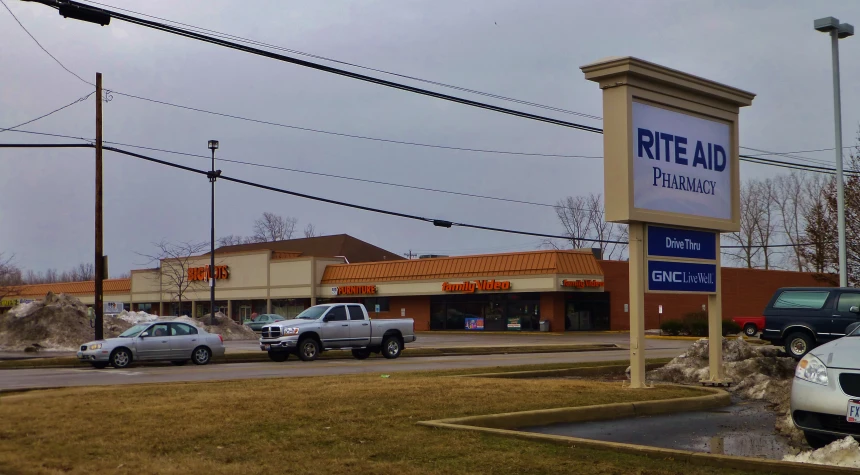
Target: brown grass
<point>339,424</point>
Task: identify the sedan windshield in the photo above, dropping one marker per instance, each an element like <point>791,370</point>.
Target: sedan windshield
<point>134,331</point>
<point>312,313</point>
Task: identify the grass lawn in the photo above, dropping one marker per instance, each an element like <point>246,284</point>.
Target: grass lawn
<point>361,424</point>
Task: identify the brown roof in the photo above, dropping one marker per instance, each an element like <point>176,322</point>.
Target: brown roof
<point>354,249</point>
<point>509,264</point>
<point>111,286</point>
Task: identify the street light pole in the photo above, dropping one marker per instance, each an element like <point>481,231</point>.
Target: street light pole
<point>213,145</point>
<point>838,31</point>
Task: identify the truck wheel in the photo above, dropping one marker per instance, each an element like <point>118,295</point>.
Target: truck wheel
<point>309,349</point>
<point>391,347</point>
<point>798,344</point>
<point>279,356</point>
<point>362,354</point>
<point>750,329</point>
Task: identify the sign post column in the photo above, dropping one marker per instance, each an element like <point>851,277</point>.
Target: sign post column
<point>715,331</point>
<point>636,250</point>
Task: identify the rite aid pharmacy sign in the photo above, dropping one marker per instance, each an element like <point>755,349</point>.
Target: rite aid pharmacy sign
<point>681,163</point>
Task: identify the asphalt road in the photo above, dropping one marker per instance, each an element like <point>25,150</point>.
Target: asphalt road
<point>66,377</point>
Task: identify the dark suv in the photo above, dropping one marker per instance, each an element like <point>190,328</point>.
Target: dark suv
<point>803,318</point>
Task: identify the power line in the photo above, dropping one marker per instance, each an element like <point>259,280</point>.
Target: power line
<point>280,48</point>
<point>80,99</point>
<point>320,67</point>
<point>749,158</point>
<point>435,222</point>
<point>789,155</point>
<point>43,48</point>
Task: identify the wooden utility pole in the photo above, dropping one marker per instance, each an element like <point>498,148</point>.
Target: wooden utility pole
<point>99,255</point>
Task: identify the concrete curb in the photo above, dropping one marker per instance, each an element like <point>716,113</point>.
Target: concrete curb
<point>506,424</point>
<point>414,353</point>
<point>560,373</point>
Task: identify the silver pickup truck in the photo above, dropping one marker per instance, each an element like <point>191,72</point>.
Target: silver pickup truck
<point>338,326</point>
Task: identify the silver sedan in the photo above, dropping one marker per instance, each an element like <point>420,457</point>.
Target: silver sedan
<point>176,342</point>
<point>825,393</point>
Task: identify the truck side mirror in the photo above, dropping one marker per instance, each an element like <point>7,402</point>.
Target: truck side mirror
<point>854,309</point>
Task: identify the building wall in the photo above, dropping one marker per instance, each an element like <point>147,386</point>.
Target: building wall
<point>552,309</point>
<point>745,292</point>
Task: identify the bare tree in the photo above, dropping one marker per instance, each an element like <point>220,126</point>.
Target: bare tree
<point>272,227</point>
<point>575,217</point>
<point>232,240</point>
<point>766,226</point>
<point>311,231</point>
<point>610,236</point>
<point>582,218</point>
<point>10,277</point>
<point>747,239</point>
<point>173,261</point>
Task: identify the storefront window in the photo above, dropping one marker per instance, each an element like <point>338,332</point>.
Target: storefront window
<point>243,310</point>
<point>485,312</point>
<point>289,308</point>
<point>587,312</point>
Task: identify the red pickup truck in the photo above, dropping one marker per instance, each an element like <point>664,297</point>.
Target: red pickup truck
<point>750,325</point>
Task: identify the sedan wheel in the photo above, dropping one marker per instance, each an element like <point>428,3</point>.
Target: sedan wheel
<point>201,355</point>
<point>120,358</point>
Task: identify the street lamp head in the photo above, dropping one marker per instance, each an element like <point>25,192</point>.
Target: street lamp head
<point>826,25</point>
<point>845,30</point>
<point>213,145</point>
<point>84,13</point>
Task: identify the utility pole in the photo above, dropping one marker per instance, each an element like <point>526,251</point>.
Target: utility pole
<point>409,255</point>
<point>99,254</point>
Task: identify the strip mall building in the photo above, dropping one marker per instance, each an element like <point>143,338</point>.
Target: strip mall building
<point>572,290</point>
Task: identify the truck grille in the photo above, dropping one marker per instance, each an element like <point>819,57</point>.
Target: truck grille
<point>83,347</point>
<point>271,332</point>
<point>850,383</point>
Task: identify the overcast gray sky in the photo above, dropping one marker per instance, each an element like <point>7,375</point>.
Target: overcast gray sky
<point>529,50</point>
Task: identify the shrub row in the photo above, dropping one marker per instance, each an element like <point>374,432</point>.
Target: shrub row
<point>696,324</point>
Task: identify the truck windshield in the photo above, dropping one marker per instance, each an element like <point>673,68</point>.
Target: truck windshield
<point>134,331</point>
<point>312,313</point>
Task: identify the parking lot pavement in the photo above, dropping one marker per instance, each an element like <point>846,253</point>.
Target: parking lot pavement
<point>474,340</point>
<point>64,377</point>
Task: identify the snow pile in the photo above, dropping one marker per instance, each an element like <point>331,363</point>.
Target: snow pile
<point>136,317</point>
<point>59,322</point>
<point>842,453</point>
<point>757,372</point>
<point>224,326</point>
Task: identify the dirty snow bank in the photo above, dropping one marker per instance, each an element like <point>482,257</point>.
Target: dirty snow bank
<point>224,326</point>
<point>758,373</point>
<point>842,453</point>
<point>59,322</point>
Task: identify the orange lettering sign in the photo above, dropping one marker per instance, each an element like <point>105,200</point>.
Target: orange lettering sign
<point>471,287</point>
<point>356,290</point>
<point>582,283</point>
<point>202,273</point>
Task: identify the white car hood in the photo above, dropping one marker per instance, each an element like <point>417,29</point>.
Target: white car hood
<point>841,353</point>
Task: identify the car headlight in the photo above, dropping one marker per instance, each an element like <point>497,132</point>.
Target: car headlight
<point>811,369</point>
<point>96,346</point>
<point>291,331</point>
